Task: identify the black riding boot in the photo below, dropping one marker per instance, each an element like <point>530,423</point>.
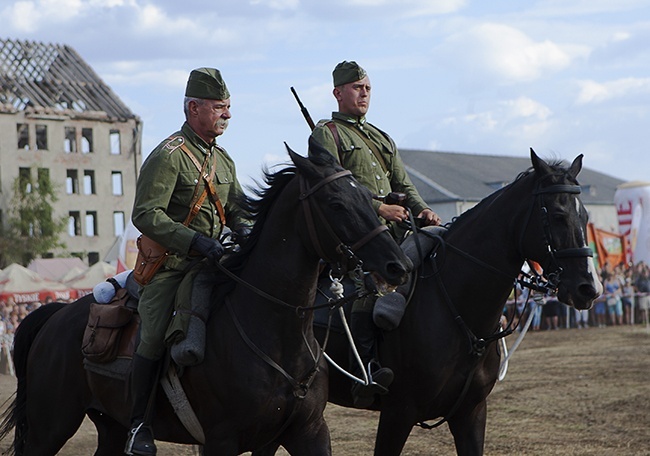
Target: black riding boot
<point>364,334</point>
<point>143,379</point>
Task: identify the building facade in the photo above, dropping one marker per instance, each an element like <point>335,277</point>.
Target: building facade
<point>59,118</point>
<point>451,183</point>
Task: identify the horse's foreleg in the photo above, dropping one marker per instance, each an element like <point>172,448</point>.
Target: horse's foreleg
<point>469,431</point>
<point>313,440</point>
<point>111,435</point>
<point>268,450</point>
<point>393,431</point>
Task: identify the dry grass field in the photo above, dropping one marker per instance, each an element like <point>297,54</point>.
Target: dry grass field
<point>567,392</point>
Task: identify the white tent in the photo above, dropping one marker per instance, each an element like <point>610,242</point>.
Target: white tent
<point>55,268</point>
<point>23,285</point>
<point>85,282</point>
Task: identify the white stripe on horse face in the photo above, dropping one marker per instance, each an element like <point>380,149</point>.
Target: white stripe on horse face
<point>591,267</point>
<point>579,209</point>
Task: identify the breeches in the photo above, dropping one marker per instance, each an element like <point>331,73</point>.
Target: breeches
<point>157,302</point>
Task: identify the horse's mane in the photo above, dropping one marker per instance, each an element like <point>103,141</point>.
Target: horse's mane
<point>258,207</point>
<point>560,171</point>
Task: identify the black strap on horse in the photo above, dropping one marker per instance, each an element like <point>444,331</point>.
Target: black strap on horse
<point>346,252</point>
<point>553,276</point>
<point>478,345</point>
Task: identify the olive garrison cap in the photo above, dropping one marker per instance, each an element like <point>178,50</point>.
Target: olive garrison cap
<point>206,83</point>
<point>346,72</point>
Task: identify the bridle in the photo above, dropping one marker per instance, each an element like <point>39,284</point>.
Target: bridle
<point>346,258</point>
<point>550,265</point>
<point>478,346</point>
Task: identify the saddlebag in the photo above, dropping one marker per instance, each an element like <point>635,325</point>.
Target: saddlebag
<point>106,323</point>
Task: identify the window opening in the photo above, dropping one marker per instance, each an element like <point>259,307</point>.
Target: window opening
<point>86,140</point>
<point>41,137</point>
<point>70,140</point>
<point>114,139</point>
<point>23,136</point>
<point>89,182</point>
<point>116,179</point>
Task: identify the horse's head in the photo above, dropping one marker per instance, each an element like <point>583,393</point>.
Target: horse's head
<point>556,233</point>
<point>340,224</point>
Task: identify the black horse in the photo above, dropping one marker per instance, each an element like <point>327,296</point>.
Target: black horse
<point>263,378</point>
<point>444,353</point>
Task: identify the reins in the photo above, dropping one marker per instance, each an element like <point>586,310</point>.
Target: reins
<point>478,346</point>
<point>301,387</point>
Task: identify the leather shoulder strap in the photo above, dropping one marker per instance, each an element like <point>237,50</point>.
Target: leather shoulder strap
<point>337,139</point>
<point>372,146</point>
<point>208,186</point>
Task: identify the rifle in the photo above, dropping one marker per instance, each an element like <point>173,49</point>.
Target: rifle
<point>304,111</point>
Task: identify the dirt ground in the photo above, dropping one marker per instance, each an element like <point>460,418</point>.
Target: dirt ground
<point>567,392</point>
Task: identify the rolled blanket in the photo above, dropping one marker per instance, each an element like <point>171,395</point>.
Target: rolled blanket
<point>190,350</point>
<point>388,310</point>
<point>105,291</point>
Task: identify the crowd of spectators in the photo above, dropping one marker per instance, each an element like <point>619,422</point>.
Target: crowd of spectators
<point>625,301</point>
<point>12,313</point>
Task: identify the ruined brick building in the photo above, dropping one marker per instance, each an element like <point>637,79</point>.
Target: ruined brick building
<point>58,117</point>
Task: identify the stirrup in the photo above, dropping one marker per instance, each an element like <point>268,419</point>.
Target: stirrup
<point>149,448</point>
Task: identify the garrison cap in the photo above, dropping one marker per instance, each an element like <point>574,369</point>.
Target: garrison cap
<point>346,72</point>
<point>206,83</point>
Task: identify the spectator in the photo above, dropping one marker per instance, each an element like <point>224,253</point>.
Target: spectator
<point>613,293</point>
<point>551,313</point>
<point>582,318</point>
<point>600,311</point>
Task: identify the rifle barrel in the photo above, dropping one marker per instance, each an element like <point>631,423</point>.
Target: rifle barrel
<point>304,111</point>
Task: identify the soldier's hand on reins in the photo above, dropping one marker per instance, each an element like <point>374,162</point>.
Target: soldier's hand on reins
<point>208,247</point>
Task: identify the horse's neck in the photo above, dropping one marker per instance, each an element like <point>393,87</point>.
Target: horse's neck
<point>282,267</point>
<point>489,236</point>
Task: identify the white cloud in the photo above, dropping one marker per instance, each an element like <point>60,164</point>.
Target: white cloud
<point>505,54</point>
<point>278,4</point>
<point>31,16</point>
<point>411,7</point>
<point>596,92</point>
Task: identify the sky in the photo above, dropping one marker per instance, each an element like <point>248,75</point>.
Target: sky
<point>565,77</point>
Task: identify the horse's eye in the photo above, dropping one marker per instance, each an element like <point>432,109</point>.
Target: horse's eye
<point>337,205</point>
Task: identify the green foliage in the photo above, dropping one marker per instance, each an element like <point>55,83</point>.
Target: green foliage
<point>31,229</point>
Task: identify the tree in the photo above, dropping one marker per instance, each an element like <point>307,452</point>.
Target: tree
<point>31,229</point>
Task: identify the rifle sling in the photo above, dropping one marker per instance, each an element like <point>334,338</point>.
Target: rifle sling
<point>372,146</point>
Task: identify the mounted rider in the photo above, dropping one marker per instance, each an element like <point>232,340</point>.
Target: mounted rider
<point>169,211</point>
<point>374,160</point>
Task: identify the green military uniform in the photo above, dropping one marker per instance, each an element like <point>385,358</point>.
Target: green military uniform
<point>164,193</point>
<point>373,158</point>
<point>355,155</point>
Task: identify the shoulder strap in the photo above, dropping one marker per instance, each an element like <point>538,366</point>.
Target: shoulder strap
<point>197,200</point>
<point>372,146</point>
<point>337,139</point>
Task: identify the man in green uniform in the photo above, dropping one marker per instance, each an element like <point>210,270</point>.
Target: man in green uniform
<point>165,192</point>
<point>373,158</point>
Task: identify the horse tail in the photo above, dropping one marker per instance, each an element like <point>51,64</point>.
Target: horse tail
<point>14,416</point>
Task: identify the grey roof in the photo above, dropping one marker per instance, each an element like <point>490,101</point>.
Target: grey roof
<point>449,176</point>
<point>53,79</point>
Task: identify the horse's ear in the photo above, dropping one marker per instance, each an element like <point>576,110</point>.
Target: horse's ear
<point>540,166</point>
<point>319,154</point>
<point>303,164</point>
<point>576,166</point>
